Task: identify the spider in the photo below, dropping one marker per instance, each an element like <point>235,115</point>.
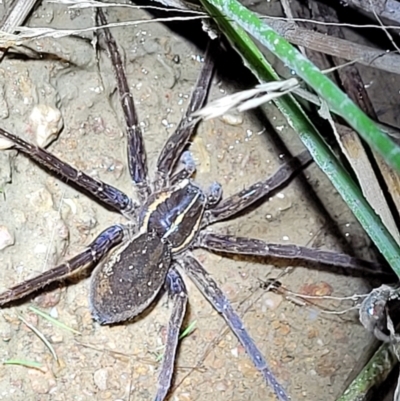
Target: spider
<point>132,263</point>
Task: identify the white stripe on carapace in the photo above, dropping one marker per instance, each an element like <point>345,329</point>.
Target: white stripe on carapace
<point>191,236</point>
<point>179,220</point>
<point>162,196</point>
<point>181,216</point>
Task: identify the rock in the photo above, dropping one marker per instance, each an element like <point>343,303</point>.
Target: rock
<point>6,238</point>
<point>5,144</point>
<point>233,119</point>
<point>272,300</point>
<point>100,378</point>
<point>46,123</point>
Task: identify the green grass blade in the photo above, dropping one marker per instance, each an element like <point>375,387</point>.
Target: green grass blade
<point>372,376</point>
<point>53,321</point>
<point>188,330</point>
<point>23,362</point>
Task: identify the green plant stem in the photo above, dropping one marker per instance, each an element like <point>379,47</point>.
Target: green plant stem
<point>372,376</point>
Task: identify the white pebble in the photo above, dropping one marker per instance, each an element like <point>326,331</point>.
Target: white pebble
<point>100,379</point>
<point>54,312</point>
<point>272,300</point>
<point>57,338</point>
<point>40,249</point>
<point>232,119</point>
<point>6,238</point>
<point>5,144</point>
<point>46,123</point>
<point>71,204</point>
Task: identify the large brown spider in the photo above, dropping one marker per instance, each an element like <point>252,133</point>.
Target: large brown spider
<point>133,262</point>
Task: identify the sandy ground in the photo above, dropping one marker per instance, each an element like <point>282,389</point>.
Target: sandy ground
<point>310,352</point>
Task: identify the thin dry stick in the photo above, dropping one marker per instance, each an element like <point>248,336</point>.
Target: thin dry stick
<point>342,48</point>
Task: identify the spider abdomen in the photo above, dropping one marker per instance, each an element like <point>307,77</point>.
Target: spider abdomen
<point>128,281</point>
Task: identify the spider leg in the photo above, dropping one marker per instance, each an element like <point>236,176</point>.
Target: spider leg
<point>255,247</point>
<point>218,300</point>
<point>108,239</point>
<point>177,291</point>
<point>102,192</point>
<point>137,160</point>
<point>243,199</point>
<point>177,142</point>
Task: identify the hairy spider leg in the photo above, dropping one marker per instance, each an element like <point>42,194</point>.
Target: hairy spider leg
<point>177,292</point>
<point>176,143</point>
<point>220,302</point>
<point>245,198</point>
<point>137,159</point>
<point>103,243</point>
<point>254,247</point>
<point>238,202</point>
<point>102,192</point>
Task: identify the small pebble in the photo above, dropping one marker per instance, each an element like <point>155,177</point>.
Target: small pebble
<point>54,313</point>
<point>56,338</point>
<point>100,379</point>
<point>5,144</point>
<point>6,238</point>
<point>284,330</point>
<point>232,119</point>
<point>320,289</point>
<point>277,204</point>
<point>40,249</point>
<point>272,300</point>
<point>46,123</point>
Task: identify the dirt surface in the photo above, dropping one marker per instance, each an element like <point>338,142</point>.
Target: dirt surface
<point>310,352</point>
